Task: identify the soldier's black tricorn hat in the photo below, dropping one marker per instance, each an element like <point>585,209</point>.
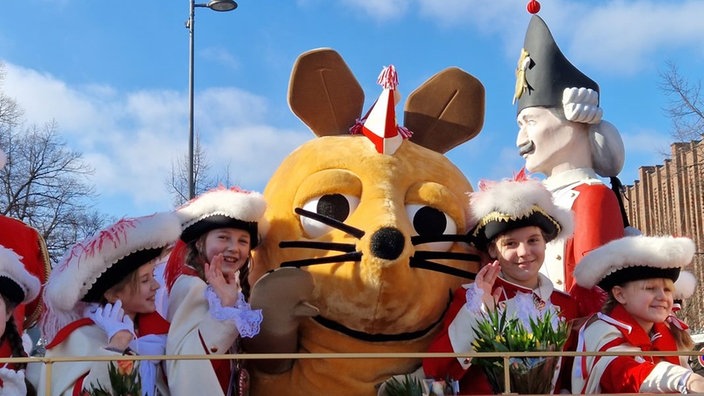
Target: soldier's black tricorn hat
<point>543,71</point>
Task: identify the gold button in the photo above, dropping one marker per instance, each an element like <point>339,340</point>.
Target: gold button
<point>559,281</point>
<point>558,257</point>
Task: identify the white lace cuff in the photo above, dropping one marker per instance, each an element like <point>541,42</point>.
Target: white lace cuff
<point>246,319</point>
<point>474,298</point>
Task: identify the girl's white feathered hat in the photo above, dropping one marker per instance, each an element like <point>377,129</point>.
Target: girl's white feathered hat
<point>93,266</point>
<point>224,208</point>
<point>499,207</point>
<point>16,283</point>
<point>634,258</point>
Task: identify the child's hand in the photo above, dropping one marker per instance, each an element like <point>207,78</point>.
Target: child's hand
<point>112,320</point>
<point>226,286</point>
<point>485,281</point>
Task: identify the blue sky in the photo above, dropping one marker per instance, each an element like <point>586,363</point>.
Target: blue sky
<point>114,76</point>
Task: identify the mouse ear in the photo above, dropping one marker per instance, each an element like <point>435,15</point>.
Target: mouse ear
<point>446,111</point>
<point>323,92</point>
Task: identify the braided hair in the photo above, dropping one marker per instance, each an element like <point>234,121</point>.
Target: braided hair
<point>14,339</point>
<point>12,335</point>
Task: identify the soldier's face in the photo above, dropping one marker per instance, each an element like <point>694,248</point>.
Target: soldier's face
<point>545,140</point>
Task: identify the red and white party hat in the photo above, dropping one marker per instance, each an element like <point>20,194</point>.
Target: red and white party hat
<point>380,123</point>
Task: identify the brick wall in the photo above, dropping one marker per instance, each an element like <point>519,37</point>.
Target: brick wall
<point>668,199</point>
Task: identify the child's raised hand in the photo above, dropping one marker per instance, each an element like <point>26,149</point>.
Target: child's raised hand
<point>226,286</point>
<point>485,281</point>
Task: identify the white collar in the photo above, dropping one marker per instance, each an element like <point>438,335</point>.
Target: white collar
<point>562,179</point>
<point>543,291</point>
<point>608,319</point>
<point>545,287</point>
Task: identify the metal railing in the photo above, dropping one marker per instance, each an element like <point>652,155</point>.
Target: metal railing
<point>49,362</point>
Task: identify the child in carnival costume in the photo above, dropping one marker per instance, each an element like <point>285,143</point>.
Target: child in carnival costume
<point>30,247</point>
<point>208,289</point>
<point>639,273</point>
<point>17,286</point>
<point>100,302</point>
<point>513,220</point>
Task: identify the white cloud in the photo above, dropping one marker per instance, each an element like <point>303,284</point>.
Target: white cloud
<point>490,155</point>
<point>228,106</point>
<point>647,142</point>
<point>631,36</point>
<point>616,36</point>
<point>156,109</point>
<point>132,139</point>
<point>489,16</point>
<point>251,154</point>
<point>43,98</point>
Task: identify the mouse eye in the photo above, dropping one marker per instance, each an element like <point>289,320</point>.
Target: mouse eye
<point>335,206</point>
<point>428,221</point>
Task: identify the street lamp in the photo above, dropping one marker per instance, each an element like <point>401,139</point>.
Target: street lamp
<point>215,5</point>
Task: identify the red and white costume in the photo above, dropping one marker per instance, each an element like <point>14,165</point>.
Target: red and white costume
<point>29,245</point>
<point>200,324</point>
<point>195,330</point>
<point>83,338</point>
<point>619,331</point>
<point>597,220</point>
<point>18,286</point>
<point>457,334</point>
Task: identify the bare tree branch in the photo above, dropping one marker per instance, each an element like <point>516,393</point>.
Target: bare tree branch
<point>686,105</point>
<point>44,184</point>
<point>178,181</point>
<point>10,113</point>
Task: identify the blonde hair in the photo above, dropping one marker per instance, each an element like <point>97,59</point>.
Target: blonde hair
<point>682,338</point>
<point>131,281</point>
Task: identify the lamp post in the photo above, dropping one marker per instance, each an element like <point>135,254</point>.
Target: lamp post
<point>216,5</point>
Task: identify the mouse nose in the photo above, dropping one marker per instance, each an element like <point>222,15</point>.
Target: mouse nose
<point>387,243</point>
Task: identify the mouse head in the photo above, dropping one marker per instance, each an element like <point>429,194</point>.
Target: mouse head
<point>382,232</point>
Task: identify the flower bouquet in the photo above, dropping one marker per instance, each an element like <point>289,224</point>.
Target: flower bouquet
<point>124,381</point>
<point>529,329</point>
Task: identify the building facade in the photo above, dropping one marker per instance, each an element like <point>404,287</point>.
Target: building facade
<point>668,199</point>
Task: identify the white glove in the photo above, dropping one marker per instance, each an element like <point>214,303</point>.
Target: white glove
<point>12,382</point>
<point>112,319</point>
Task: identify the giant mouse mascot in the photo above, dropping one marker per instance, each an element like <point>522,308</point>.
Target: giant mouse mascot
<point>562,135</point>
<point>368,229</point>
